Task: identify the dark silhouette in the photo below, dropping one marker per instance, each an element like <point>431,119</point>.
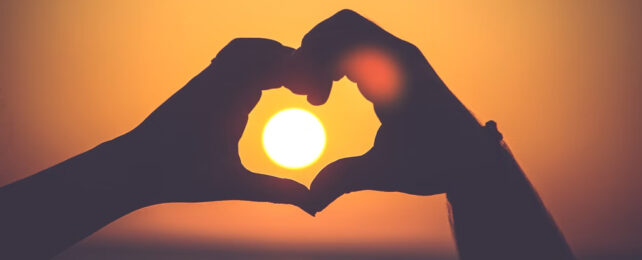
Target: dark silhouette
<point>186,151</point>
<point>428,143</point>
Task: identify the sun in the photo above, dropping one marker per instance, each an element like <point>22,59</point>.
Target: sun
<point>294,138</point>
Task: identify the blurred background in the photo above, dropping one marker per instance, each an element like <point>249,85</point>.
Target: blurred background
<point>562,78</point>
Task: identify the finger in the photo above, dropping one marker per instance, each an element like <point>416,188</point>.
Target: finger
<point>305,79</point>
<point>256,63</point>
<point>241,70</point>
<point>325,46</point>
<point>344,176</point>
<point>264,188</point>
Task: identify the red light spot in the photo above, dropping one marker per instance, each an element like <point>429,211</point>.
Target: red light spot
<point>376,72</point>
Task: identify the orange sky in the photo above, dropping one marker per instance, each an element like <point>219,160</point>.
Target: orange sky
<point>563,80</point>
<point>349,121</point>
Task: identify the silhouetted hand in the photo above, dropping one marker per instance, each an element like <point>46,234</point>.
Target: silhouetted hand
<point>187,150</point>
<point>427,139</point>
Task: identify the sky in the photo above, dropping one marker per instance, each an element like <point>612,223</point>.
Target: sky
<point>561,78</point>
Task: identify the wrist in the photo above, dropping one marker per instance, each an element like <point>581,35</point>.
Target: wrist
<point>109,170</point>
<point>489,169</point>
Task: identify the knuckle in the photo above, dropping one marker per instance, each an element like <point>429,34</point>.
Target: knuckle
<point>251,50</point>
<point>244,46</point>
<point>347,14</point>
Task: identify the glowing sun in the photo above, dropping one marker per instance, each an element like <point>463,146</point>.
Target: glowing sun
<point>294,138</point>
<point>273,142</point>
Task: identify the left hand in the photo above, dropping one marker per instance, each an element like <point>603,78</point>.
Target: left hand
<point>187,149</point>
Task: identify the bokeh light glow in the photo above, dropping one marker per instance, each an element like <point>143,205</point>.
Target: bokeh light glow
<point>376,71</point>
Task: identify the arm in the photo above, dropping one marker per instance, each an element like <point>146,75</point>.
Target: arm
<point>185,151</point>
<point>497,214</point>
<point>57,207</point>
<point>428,143</point>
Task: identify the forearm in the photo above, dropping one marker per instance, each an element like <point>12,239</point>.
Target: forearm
<point>500,216</point>
<point>53,209</point>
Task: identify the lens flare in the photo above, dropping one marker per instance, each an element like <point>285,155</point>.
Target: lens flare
<point>377,72</point>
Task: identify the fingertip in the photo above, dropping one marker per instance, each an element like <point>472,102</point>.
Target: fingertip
<point>304,78</point>
<point>322,200</point>
<point>325,189</point>
<point>319,97</point>
<point>310,210</point>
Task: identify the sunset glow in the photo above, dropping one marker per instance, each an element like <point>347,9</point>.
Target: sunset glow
<point>561,79</point>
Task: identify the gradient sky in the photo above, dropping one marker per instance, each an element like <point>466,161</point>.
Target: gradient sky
<point>348,118</point>
<point>563,79</point>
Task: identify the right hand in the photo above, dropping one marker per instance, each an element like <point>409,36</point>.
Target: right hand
<point>427,141</point>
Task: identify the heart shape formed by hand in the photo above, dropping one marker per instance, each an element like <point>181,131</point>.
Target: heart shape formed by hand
<point>424,136</point>
<point>349,121</point>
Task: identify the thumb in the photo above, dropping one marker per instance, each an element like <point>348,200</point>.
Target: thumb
<point>265,188</point>
<point>341,177</point>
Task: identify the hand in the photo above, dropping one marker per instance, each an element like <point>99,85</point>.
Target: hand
<point>427,141</point>
<point>187,149</point>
